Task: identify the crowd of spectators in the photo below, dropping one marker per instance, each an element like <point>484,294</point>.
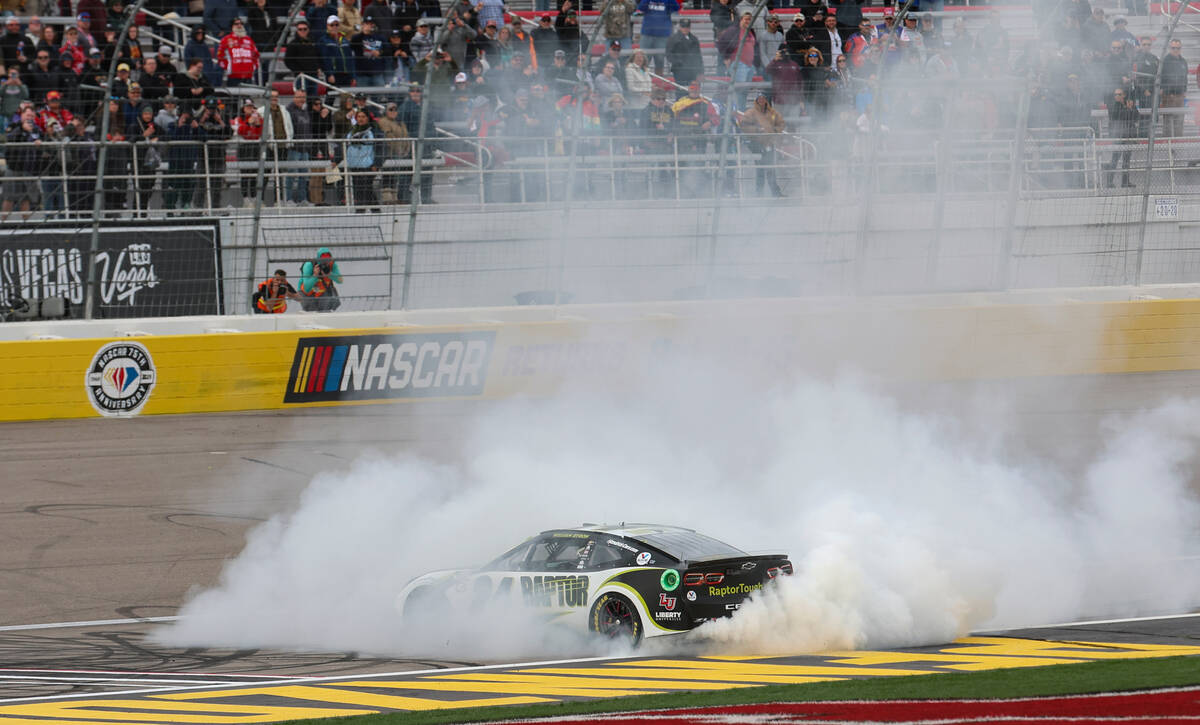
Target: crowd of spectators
<point>634,75</point>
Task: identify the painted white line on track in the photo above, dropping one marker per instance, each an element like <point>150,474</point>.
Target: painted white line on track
<point>164,674</point>
<point>114,680</point>
<point>1084,622</point>
<point>333,678</point>
<point>94,623</point>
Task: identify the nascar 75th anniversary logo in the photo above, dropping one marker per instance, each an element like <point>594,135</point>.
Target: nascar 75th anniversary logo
<point>379,367</point>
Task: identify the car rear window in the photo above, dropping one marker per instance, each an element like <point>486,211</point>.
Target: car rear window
<point>685,545</point>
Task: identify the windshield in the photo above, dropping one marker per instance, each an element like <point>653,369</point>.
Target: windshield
<point>684,545</point>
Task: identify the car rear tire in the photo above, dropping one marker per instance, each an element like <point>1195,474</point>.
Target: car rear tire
<point>615,618</point>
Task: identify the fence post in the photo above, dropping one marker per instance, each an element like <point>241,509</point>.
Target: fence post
<point>1016,174</point>
<point>1141,246</point>
<point>89,304</point>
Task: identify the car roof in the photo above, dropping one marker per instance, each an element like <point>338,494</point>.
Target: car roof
<point>624,529</point>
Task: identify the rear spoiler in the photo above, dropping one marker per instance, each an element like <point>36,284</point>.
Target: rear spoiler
<point>733,560</point>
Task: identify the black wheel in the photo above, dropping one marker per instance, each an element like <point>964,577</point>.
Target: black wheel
<point>615,618</point>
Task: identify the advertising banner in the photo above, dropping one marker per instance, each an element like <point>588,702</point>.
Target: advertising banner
<point>141,271</point>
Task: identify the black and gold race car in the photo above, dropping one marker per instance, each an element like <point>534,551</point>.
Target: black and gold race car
<point>623,582</point>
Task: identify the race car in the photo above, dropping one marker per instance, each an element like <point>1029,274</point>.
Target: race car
<point>623,582</point>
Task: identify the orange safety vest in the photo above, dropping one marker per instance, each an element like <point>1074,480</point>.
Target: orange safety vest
<point>277,306</point>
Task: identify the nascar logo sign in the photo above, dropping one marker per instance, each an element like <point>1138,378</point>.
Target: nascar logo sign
<point>381,367</point>
<point>120,379</point>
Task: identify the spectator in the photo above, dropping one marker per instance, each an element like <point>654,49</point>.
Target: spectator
<point>277,125</point>
<point>815,75</point>
<point>214,130</point>
<point>722,14</point>
<point>398,148</point>
<point>337,58</point>
<point>81,166</point>
<point>1174,82</point>
<point>420,46</point>
<point>477,80</point>
<point>48,41</point>
<point>617,23</point>
<point>1145,70</point>
<point>273,294</point>
<point>608,84</point>
<point>168,115</point>
<point>322,128</point>
<point>1119,65</point>
<point>397,59</point>
<point>42,77</point>
<point>197,48</point>
<point>1121,31</point>
<point>440,70</point>
<point>317,289</point>
<point>511,78</point>
<point>116,165</point>
<point>637,82</point>
<point>656,28</point>
<point>303,56</point>
<point>183,155</point>
<point>570,40</point>
<point>379,13</point>
<point>770,38</point>
<point>762,125</point>
<point>14,94</point>
<point>828,41</point>
<point>120,84</point>
<point>166,61</point>
<point>23,159</point>
<point>13,43</point>
<point>557,74</point>
<point>248,128</point>
<point>684,55</point>
<point>786,84</point>
<point>83,26</point>
<point>613,56</point>
<point>192,86</point>
<point>369,62</point>
<point>96,15</point>
<point>219,16</point>
<point>657,126</point>
<point>317,15</point>
<point>155,84</point>
<point>349,17</point>
<point>131,50</point>
<point>461,95</point>
<point>847,15</point>
<point>522,42</point>
<point>144,136</point>
<point>238,56</point>
<point>545,41</point>
<point>798,39</point>
<point>300,128</point>
<point>739,49</point>
<point>54,111</point>
<point>1123,121</point>
<point>457,38</point>
<point>52,170</point>
<point>1095,32</point>
<point>491,11</point>
<point>360,161</point>
<point>857,45</point>
<point>72,47</point>
<point>409,113</point>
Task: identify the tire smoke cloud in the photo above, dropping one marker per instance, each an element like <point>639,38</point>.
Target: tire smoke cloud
<point>905,526</point>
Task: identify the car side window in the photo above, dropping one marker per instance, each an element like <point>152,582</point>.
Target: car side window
<point>513,560</point>
<point>559,552</point>
<point>611,553</point>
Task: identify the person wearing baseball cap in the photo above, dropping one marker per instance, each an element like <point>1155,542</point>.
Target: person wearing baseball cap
<point>683,53</point>
<point>166,61</point>
<point>545,40</point>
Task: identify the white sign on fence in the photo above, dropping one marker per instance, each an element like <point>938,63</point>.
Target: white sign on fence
<point>1166,207</point>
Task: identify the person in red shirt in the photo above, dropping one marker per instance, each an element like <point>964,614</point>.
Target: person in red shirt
<point>248,128</point>
<point>77,50</point>
<point>54,111</point>
<point>237,55</point>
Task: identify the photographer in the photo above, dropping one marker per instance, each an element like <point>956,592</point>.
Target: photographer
<point>273,294</point>
<point>317,278</point>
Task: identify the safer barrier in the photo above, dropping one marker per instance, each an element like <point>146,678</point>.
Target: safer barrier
<point>287,369</point>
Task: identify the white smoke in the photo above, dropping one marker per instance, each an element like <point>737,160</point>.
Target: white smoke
<point>904,527</point>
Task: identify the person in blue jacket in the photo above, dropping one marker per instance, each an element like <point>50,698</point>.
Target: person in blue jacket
<point>337,54</point>
<point>656,28</point>
<point>317,278</point>
<point>219,16</point>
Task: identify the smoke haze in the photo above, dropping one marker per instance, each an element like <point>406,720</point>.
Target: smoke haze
<point>906,526</point>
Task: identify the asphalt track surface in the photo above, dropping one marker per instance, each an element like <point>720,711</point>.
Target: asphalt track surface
<point>104,520</point>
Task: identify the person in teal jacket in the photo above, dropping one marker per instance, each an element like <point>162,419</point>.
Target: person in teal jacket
<point>317,278</point>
